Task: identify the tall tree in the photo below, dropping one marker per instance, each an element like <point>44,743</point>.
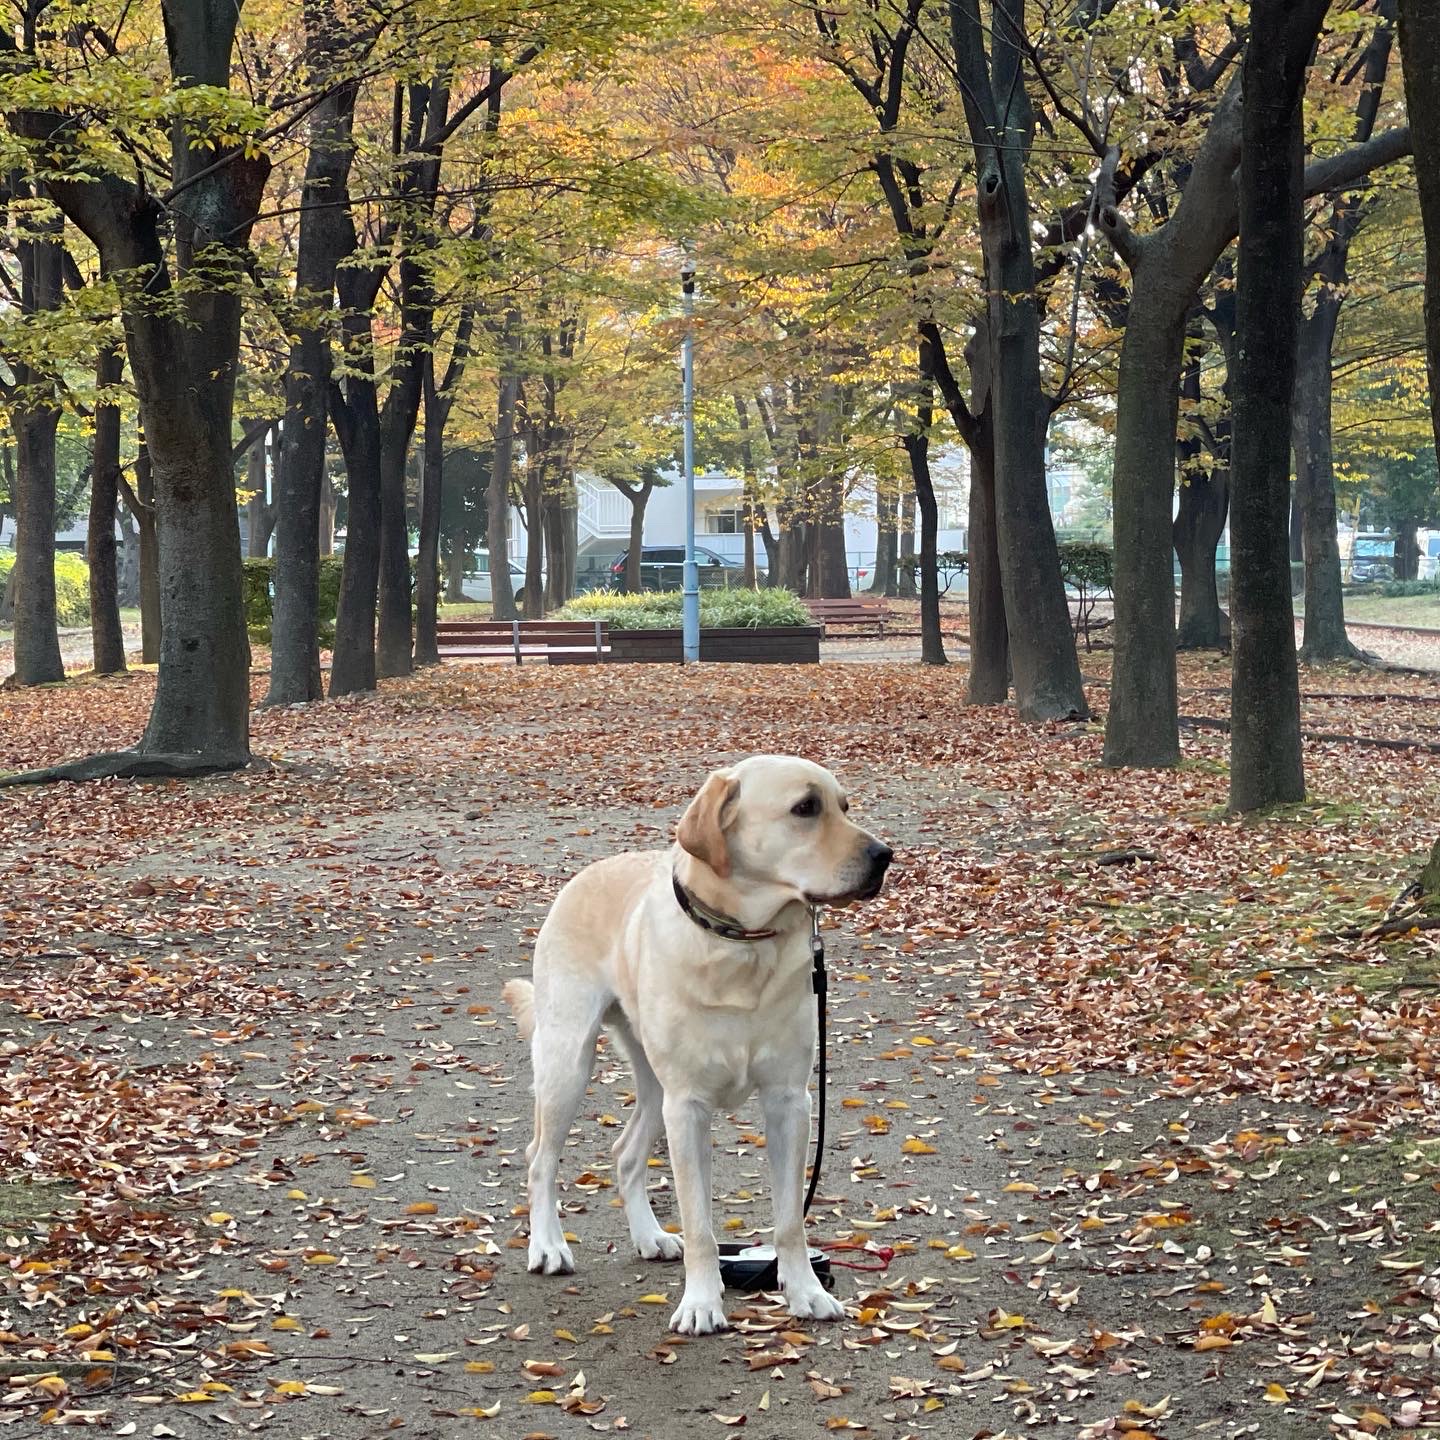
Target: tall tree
<point>107,638</point>
<point>1420,50</point>
<point>1266,766</point>
<point>332,51</point>
<point>1343,213</point>
<point>998,115</point>
<point>178,253</point>
<point>33,403</point>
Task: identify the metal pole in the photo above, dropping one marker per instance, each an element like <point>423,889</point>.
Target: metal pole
<point>690,599</point>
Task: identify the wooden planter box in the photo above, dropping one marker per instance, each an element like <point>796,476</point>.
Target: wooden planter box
<point>742,645</point>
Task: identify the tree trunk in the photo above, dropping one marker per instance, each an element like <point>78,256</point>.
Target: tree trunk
<point>107,638</point>
<point>534,496</point>
<point>831,570</point>
<point>1199,524</point>
<point>260,516</point>
<point>1420,49</point>
<point>1325,637</point>
<point>427,562</point>
<point>327,514</point>
<point>455,577</point>
<point>1407,550</point>
<point>1265,756</point>
<point>150,618</point>
<point>393,645</point>
<point>502,467</point>
<point>129,562</point>
<point>917,448</point>
<point>1142,727</point>
<point>35,420</point>
<point>882,582</point>
<point>639,498</point>
<point>905,510</point>
<point>749,485</point>
<point>304,524</point>
<point>989,682</point>
<point>357,423</point>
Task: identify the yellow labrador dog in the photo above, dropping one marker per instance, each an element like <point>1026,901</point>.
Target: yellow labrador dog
<point>697,959</point>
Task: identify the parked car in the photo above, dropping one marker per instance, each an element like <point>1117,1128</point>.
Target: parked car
<point>477,579</point>
<point>662,567</point>
<point>1372,556</point>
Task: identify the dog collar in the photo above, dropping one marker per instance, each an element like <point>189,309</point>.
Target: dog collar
<point>702,915</point>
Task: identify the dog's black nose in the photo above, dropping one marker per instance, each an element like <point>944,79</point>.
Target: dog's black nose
<point>879,854</point>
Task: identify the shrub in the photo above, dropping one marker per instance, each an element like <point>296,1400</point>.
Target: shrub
<point>72,586</point>
<point>719,609</point>
<point>1402,589</point>
<point>259,581</point>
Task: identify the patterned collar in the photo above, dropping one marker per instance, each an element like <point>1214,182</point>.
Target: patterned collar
<point>702,915</point>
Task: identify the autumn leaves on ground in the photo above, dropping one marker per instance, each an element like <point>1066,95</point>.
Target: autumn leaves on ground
<point>1126,1143</point>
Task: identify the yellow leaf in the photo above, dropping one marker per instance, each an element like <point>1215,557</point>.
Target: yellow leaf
<point>1277,1394</point>
<point>540,1397</point>
<point>362,1182</point>
<point>1021,1187</point>
<point>479,1367</point>
<point>218,1217</point>
<point>1213,1342</point>
<point>653,1300</point>
<point>422,1207</point>
<point>322,1257</point>
<point>290,1387</point>
<point>912,1146</point>
<point>284,1322</point>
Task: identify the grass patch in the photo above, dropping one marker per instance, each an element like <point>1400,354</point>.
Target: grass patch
<point>719,609</point>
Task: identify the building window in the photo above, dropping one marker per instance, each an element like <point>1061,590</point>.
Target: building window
<point>725,520</point>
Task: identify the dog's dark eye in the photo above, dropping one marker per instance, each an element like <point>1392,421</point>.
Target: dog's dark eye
<point>844,807</point>
<point>807,808</point>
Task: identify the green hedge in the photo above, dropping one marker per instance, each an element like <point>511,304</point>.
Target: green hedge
<point>259,582</point>
<point>719,609</point>
<point>72,586</point>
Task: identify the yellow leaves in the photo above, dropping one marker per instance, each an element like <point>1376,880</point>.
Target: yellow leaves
<point>1021,1187</point>
<point>290,1387</point>
<point>541,1397</point>
<point>950,1362</point>
<point>479,1367</point>
<point>284,1322</point>
<point>479,1412</point>
<point>653,1299</point>
<point>1157,1411</point>
<point>78,1332</point>
<point>362,1182</point>
<point>959,1252</point>
<point>914,1146</point>
<point>321,1257</point>
<point>422,1207</point>
<point>218,1217</point>
<point>1276,1394</point>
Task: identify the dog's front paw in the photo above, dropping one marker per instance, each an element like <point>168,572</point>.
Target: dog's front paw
<point>659,1245</point>
<point>813,1302</point>
<point>700,1313</point>
<point>550,1257</point>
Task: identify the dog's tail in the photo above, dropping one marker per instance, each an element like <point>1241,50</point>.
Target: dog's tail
<point>519,995</point>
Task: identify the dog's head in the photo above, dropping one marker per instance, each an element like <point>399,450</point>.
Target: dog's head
<point>776,820</point>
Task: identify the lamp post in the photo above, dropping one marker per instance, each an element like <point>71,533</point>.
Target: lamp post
<point>690,584</point>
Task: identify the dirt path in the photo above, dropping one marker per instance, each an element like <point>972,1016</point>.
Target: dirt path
<point>1088,1226</point>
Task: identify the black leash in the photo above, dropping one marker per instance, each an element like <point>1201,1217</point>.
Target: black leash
<point>819,980</point>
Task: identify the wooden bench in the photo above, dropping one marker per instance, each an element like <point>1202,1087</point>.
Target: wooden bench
<point>853,617</point>
<point>560,642</point>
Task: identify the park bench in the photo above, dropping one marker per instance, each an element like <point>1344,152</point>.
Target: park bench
<point>851,617</point>
<point>560,642</point>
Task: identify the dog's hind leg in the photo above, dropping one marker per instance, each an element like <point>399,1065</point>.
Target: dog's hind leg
<point>633,1150</point>
<point>562,1053</point>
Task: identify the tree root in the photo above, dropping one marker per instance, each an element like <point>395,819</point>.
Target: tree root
<point>1388,929</point>
<point>128,765</point>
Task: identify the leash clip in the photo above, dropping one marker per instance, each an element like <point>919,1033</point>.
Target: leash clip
<point>817,952</point>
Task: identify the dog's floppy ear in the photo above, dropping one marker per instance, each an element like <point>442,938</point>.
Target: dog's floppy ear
<point>702,826</point>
